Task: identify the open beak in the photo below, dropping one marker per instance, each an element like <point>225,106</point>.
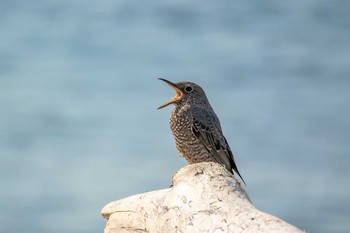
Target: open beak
<point>176,98</point>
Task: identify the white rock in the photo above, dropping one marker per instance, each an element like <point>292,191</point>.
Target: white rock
<point>204,198</point>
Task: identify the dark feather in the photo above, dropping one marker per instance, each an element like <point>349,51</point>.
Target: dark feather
<point>206,127</point>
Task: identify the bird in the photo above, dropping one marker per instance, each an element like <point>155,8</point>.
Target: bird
<point>196,128</point>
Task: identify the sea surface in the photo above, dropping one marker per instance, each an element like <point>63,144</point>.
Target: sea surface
<point>79,92</point>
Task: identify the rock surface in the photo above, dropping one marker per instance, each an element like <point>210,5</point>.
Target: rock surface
<point>204,198</point>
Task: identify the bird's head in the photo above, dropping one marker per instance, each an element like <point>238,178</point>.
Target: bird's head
<point>186,92</point>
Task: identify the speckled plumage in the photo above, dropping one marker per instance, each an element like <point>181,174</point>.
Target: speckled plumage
<point>196,128</point>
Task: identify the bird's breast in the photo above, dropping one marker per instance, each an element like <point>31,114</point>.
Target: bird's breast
<point>181,127</point>
<point>180,122</point>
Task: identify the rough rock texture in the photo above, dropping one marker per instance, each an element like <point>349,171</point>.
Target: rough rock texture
<point>204,198</point>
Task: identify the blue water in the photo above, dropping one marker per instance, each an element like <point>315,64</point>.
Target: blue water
<point>78,94</point>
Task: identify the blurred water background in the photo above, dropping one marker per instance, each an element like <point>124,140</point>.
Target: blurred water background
<point>79,91</point>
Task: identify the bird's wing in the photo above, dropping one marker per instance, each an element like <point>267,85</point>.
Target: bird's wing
<point>206,127</point>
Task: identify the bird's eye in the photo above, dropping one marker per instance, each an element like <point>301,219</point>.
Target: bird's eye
<point>188,89</point>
